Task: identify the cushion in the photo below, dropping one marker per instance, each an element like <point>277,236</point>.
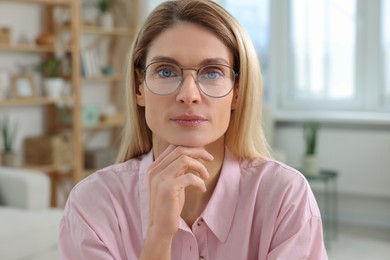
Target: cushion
<point>25,233</point>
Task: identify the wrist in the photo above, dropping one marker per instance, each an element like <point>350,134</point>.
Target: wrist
<point>157,246</point>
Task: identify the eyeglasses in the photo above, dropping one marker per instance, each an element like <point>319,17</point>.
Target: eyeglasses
<point>164,78</point>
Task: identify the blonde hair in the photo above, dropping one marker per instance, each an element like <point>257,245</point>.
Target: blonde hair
<point>244,136</point>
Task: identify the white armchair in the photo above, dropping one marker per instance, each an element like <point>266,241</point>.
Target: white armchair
<point>28,227</point>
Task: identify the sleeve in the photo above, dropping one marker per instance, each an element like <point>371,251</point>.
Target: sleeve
<point>298,230</point>
<point>87,226</point>
<point>306,243</point>
<point>76,243</point>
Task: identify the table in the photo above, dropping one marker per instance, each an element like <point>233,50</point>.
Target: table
<point>329,211</point>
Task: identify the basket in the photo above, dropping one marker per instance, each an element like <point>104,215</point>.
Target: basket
<point>49,150</point>
<point>5,35</point>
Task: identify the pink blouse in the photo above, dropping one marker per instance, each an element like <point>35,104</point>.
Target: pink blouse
<point>260,209</point>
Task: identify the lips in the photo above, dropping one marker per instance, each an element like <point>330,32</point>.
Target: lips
<point>189,120</point>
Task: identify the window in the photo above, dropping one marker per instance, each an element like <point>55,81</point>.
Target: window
<point>385,45</point>
<point>323,49</point>
<point>330,55</point>
<point>321,55</point>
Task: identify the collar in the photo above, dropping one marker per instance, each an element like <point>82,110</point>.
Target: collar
<point>146,161</point>
<point>218,214</point>
<point>220,210</point>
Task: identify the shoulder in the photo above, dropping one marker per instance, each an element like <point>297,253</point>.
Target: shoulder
<point>269,170</point>
<point>103,185</point>
<point>278,184</point>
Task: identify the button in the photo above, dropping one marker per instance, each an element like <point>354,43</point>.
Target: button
<point>202,257</point>
<point>200,221</point>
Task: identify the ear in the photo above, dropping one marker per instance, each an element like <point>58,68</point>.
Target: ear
<point>140,95</point>
<point>235,98</point>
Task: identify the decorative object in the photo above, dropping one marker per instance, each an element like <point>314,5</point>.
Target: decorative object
<point>90,13</point>
<point>49,150</point>
<point>47,36</point>
<point>51,70</point>
<point>23,85</point>
<point>310,160</point>
<point>106,19</point>
<point>110,115</point>
<point>5,35</point>
<point>90,115</point>
<point>8,134</point>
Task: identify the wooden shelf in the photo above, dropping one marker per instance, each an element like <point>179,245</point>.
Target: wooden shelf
<point>49,168</point>
<point>30,101</point>
<point>29,48</point>
<point>90,29</point>
<point>44,2</point>
<point>103,78</point>
<point>105,125</point>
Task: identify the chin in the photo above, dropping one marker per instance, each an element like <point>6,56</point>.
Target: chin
<point>190,144</point>
<point>190,141</point>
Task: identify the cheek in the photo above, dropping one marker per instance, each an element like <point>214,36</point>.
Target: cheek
<point>154,108</point>
<point>225,113</point>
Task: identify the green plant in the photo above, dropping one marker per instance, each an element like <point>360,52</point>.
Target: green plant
<point>50,67</point>
<point>8,134</point>
<point>105,5</point>
<point>310,130</point>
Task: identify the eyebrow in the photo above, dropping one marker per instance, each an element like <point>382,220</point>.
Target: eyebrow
<point>203,62</point>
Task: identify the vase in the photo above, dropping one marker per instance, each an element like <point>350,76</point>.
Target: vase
<point>310,165</point>
<point>9,159</point>
<point>106,20</point>
<point>54,87</point>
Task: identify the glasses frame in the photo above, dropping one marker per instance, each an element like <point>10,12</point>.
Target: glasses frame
<point>235,75</point>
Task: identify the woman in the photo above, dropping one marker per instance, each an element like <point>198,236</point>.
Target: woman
<point>194,179</point>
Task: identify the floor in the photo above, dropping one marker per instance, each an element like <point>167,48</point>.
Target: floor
<point>360,243</point>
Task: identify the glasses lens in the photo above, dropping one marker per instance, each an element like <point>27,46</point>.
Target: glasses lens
<point>216,80</point>
<point>162,78</point>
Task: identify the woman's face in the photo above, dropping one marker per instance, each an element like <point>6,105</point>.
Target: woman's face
<point>187,117</point>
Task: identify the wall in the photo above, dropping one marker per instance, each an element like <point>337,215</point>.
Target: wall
<point>29,119</point>
<point>361,155</point>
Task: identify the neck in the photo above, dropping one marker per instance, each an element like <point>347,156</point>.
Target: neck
<point>196,201</point>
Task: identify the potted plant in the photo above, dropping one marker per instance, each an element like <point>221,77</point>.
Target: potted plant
<point>8,134</point>
<point>106,19</point>
<point>310,160</point>
<point>51,71</point>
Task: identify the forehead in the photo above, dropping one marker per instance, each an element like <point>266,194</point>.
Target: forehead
<point>189,44</point>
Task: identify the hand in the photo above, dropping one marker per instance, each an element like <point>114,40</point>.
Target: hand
<point>175,169</point>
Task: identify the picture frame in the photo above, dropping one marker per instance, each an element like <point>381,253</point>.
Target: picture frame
<point>23,86</point>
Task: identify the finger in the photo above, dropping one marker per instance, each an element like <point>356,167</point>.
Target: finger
<point>172,153</point>
<point>165,153</point>
<point>185,164</point>
<point>190,179</point>
<point>199,153</point>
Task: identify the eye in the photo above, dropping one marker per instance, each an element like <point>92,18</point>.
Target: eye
<point>167,71</point>
<point>211,73</point>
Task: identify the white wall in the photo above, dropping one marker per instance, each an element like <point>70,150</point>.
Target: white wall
<point>361,155</point>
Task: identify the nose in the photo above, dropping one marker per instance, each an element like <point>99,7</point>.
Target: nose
<point>189,93</point>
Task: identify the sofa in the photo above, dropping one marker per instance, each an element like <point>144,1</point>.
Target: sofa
<point>28,226</point>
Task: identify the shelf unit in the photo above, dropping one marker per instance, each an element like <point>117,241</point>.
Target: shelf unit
<point>73,171</point>
<point>113,38</point>
<point>78,82</point>
<point>29,47</point>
